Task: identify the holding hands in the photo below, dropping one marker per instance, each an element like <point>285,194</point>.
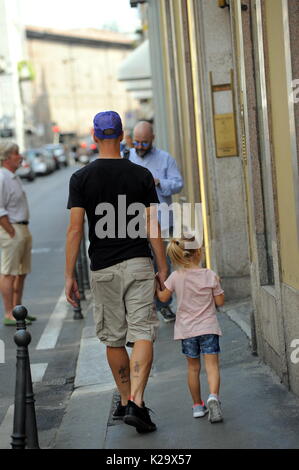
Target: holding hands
<point>162,292</point>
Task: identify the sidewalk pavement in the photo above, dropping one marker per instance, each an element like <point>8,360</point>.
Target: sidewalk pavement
<point>259,412</point>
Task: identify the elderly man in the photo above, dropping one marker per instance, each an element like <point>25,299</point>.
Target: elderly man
<point>15,237</point>
<point>168,181</point>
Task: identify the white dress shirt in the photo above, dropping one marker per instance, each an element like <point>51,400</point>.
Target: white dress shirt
<point>13,199</point>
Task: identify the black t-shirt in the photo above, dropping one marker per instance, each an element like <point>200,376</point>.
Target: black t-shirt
<point>106,189</point>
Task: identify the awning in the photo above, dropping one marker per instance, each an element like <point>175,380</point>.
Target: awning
<point>137,85</point>
<point>135,72</point>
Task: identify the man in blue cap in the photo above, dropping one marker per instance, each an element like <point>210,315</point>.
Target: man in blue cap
<point>110,190</point>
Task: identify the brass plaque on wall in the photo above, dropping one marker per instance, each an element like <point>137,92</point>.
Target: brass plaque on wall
<point>225,133</point>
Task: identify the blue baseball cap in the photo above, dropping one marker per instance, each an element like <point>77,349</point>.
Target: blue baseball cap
<point>107,125</point>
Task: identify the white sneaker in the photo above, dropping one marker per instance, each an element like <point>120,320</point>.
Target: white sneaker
<point>215,412</point>
<point>199,411</point>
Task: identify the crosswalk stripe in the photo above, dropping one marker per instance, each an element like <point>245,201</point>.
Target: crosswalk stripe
<point>38,371</point>
<point>6,429</point>
<point>52,330</point>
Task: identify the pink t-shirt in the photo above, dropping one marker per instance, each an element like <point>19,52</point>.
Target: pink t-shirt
<point>196,312</point>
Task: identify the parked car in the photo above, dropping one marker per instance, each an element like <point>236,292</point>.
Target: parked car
<point>87,148</point>
<point>93,157</point>
<point>41,160</point>
<point>58,153</point>
<point>51,160</point>
<point>84,159</point>
<point>26,170</point>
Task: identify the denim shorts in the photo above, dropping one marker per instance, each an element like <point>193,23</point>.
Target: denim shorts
<point>205,344</point>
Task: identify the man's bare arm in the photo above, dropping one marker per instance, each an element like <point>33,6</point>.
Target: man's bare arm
<point>73,240</point>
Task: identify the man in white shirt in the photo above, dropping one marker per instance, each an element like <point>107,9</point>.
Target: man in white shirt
<point>15,237</point>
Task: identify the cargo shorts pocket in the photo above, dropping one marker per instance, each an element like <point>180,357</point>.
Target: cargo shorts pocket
<point>143,324</point>
<point>145,283</point>
<point>98,315</point>
<point>103,288</point>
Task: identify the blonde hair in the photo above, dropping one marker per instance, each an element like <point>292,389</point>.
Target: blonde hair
<point>179,254</point>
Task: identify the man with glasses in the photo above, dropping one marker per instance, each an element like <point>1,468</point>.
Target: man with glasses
<point>168,181</point>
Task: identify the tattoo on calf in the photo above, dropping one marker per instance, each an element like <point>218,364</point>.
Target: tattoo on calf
<point>123,372</point>
<point>136,369</point>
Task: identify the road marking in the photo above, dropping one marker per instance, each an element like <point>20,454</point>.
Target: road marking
<point>40,250</point>
<point>38,371</point>
<point>35,251</point>
<point>6,429</point>
<point>52,330</point>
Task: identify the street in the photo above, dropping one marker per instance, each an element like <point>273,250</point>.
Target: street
<point>52,364</point>
<point>259,412</point>
<point>204,96</point>
<point>74,390</point>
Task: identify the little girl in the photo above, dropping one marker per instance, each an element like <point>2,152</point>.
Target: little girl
<point>197,291</point>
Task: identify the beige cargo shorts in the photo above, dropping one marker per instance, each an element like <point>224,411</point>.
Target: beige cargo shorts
<point>124,309</point>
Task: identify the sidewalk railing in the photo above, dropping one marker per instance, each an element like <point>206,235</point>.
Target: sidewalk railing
<point>24,425</point>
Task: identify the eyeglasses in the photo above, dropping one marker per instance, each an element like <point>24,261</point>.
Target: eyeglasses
<point>143,144</point>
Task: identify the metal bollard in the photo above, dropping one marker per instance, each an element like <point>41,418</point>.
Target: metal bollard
<point>85,269</point>
<point>77,310</point>
<point>25,428</point>
<point>80,275</point>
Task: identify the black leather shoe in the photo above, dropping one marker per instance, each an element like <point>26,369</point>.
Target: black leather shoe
<point>119,411</point>
<point>139,418</point>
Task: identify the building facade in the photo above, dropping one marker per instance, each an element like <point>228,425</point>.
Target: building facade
<point>75,77</point>
<point>226,94</point>
<point>14,116</point>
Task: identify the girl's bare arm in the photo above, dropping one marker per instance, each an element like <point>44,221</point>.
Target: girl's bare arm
<point>219,300</point>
